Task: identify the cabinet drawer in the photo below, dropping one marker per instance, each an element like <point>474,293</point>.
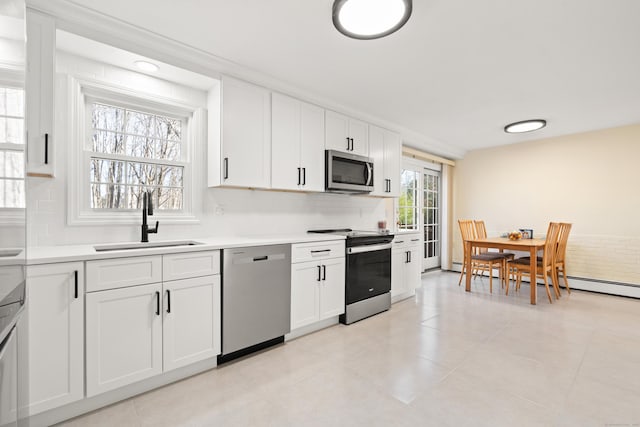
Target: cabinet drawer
<point>301,252</point>
<point>192,264</point>
<point>404,240</point>
<point>122,272</point>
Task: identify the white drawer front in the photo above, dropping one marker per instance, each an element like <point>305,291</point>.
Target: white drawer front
<point>403,240</point>
<point>302,252</point>
<point>192,264</point>
<point>122,272</point>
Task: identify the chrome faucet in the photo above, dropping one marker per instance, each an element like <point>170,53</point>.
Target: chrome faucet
<point>147,209</point>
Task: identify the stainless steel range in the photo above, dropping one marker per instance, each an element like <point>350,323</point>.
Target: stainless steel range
<point>367,273</point>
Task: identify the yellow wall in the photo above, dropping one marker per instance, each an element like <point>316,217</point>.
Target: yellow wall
<point>591,180</point>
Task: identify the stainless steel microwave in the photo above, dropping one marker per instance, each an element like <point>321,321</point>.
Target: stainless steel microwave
<point>348,173</point>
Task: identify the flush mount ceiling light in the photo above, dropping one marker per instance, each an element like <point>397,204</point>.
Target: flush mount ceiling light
<point>370,19</point>
<point>146,66</point>
<point>525,126</point>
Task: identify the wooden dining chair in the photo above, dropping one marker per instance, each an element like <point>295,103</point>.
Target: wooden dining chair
<point>561,252</point>
<point>481,233</point>
<point>545,267</point>
<point>482,262</point>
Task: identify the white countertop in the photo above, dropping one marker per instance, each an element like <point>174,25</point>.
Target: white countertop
<point>86,252</point>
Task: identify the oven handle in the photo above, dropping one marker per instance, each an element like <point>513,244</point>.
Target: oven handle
<point>369,248</point>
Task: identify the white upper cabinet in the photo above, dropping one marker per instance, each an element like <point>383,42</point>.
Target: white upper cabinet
<point>344,133</point>
<point>297,144</point>
<point>245,146</point>
<point>39,94</point>
<point>385,149</point>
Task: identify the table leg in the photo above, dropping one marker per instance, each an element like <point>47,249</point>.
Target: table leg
<point>533,263</point>
<point>468,250</point>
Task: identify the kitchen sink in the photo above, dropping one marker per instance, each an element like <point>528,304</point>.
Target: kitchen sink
<point>147,245</point>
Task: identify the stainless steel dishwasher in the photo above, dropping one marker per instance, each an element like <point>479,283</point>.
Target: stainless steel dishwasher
<point>256,299</point>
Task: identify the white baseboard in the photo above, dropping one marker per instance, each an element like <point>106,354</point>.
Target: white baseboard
<point>304,330</point>
<point>592,285</point>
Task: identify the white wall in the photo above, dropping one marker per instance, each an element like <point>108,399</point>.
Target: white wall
<point>588,179</point>
<point>222,212</point>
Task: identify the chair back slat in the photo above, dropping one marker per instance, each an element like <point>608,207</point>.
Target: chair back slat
<point>481,233</point>
<point>551,242</point>
<point>563,238</point>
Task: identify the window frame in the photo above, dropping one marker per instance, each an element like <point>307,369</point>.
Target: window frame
<point>11,216</point>
<point>82,93</point>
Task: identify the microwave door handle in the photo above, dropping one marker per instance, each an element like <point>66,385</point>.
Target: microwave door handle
<point>369,173</point>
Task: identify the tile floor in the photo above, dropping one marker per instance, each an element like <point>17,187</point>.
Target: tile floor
<point>443,358</point>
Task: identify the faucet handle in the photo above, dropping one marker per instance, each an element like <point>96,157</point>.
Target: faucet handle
<point>154,229</point>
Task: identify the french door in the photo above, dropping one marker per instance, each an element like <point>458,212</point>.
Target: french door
<point>431,218</point>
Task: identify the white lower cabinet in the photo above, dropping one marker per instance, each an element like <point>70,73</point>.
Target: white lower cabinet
<point>137,332</point>
<point>54,345</point>
<point>406,268</point>
<point>124,336</point>
<point>191,321</point>
<point>317,287</point>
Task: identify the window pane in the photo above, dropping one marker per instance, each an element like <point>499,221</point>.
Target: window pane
<point>170,176</point>
<point>14,102</point>
<point>134,196</point>
<point>13,164</point>
<point>107,117</point>
<point>141,174</point>
<point>167,150</point>
<point>167,128</point>
<point>169,198</point>
<point>11,130</point>
<point>108,142</point>
<point>139,123</point>
<point>107,196</point>
<point>140,146</point>
<point>106,171</point>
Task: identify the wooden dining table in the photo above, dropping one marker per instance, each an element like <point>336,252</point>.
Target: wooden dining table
<point>504,243</point>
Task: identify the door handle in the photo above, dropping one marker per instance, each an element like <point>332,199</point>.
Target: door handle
<point>168,301</point>
<point>304,176</point>
<point>226,168</point>
<point>75,278</point>
<point>409,252</point>
<point>319,273</point>
<point>406,254</point>
<point>351,144</point>
<point>299,169</point>
<point>324,272</point>
<point>348,144</point>
<point>158,303</point>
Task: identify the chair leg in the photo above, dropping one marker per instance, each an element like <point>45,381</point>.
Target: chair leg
<point>546,285</point>
<point>464,266</point>
<point>564,276</point>
<point>553,273</point>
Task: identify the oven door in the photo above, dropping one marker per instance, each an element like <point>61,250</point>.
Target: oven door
<point>368,272</point>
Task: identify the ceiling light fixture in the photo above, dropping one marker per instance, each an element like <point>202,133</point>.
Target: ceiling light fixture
<point>525,126</point>
<point>370,19</point>
<point>146,66</point>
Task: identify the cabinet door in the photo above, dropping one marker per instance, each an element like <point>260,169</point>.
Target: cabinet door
<point>392,162</point>
<point>286,173</point>
<point>337,132</point>
<point>305,280</point>
<point>398,261</point>
<point>332,288</point>
<point>124,336</point>
<point>39,85</point>
<point>9,380</point>
<point>413,272</point>
<point>359,132</point>
<point>191,326</point>
<point>312,146</point>
<point>55,343</point>
<point>376,152</point>
<point>246,134</point>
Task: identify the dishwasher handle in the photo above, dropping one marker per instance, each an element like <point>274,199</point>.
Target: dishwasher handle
<point>260,258</point>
